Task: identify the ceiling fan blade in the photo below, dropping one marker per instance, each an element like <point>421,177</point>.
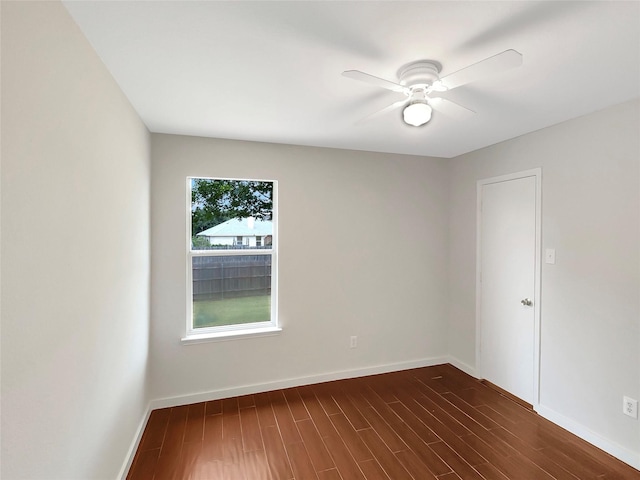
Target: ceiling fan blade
<point>386,109</point>
<point>450,109</point>
<point>498,63</point>
<point>379,82</point>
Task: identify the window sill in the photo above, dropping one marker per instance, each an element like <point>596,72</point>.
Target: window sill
<point>230,335</point>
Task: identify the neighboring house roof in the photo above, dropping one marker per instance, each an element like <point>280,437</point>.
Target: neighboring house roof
<point>236,227</point>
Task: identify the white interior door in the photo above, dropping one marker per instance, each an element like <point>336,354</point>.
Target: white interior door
<point>508,239</point>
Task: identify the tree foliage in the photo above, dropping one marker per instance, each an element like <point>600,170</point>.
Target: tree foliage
<point>216,201</point>
<point>199,242</point>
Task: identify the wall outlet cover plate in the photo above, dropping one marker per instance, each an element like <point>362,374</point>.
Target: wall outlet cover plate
<point>630,407</point>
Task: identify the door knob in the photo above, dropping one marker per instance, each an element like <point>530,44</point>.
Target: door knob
<point>526,302</point>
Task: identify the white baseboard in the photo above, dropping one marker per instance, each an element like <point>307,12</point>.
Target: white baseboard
<point>131,453</point>
<point>292,382</point>
<point>468,369</point>
<point>628,456</point>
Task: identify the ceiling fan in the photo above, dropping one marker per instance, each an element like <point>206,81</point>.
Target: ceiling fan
<point>420,80</point>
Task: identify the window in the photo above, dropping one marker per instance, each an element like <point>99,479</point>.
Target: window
<point>232,271</point>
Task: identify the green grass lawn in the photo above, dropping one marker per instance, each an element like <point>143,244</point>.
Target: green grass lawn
<point>232,311</point>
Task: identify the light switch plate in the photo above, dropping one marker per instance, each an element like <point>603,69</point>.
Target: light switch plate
<point>550,256</point>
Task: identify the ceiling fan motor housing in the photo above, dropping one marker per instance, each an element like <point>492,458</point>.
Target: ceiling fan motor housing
<point>424,72</point>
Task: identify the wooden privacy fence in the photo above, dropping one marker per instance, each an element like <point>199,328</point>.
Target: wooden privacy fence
<point>216,278</point>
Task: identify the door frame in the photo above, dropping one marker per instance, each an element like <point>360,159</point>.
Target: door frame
<point>537,173</point>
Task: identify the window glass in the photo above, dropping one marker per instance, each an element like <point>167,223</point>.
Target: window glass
<point>232,254</point>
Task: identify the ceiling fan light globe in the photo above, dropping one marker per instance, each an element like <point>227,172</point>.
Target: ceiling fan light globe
<point>416,114</point>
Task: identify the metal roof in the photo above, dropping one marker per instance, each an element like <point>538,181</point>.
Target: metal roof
<point>237,227</point>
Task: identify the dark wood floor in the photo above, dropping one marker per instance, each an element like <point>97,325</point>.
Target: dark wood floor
<point>427,423</point>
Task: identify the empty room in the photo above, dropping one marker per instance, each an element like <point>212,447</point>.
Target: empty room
<point>302,240</point>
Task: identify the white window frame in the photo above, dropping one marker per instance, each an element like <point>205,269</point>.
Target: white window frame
<point>226,332</point>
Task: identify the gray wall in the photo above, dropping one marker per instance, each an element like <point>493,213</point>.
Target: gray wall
<point>373,228</point>
<point>75,253</point>
<point>590,320</point>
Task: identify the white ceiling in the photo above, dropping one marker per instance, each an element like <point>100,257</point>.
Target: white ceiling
<point>271,70</point>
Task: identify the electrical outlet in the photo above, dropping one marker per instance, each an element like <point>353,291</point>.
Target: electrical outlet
<point>630,407</point>
<point>353,342</point>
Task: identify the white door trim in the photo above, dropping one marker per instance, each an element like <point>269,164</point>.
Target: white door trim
<point>537,173</point>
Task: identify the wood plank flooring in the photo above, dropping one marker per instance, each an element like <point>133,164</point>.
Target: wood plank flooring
<point>423,424</point>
